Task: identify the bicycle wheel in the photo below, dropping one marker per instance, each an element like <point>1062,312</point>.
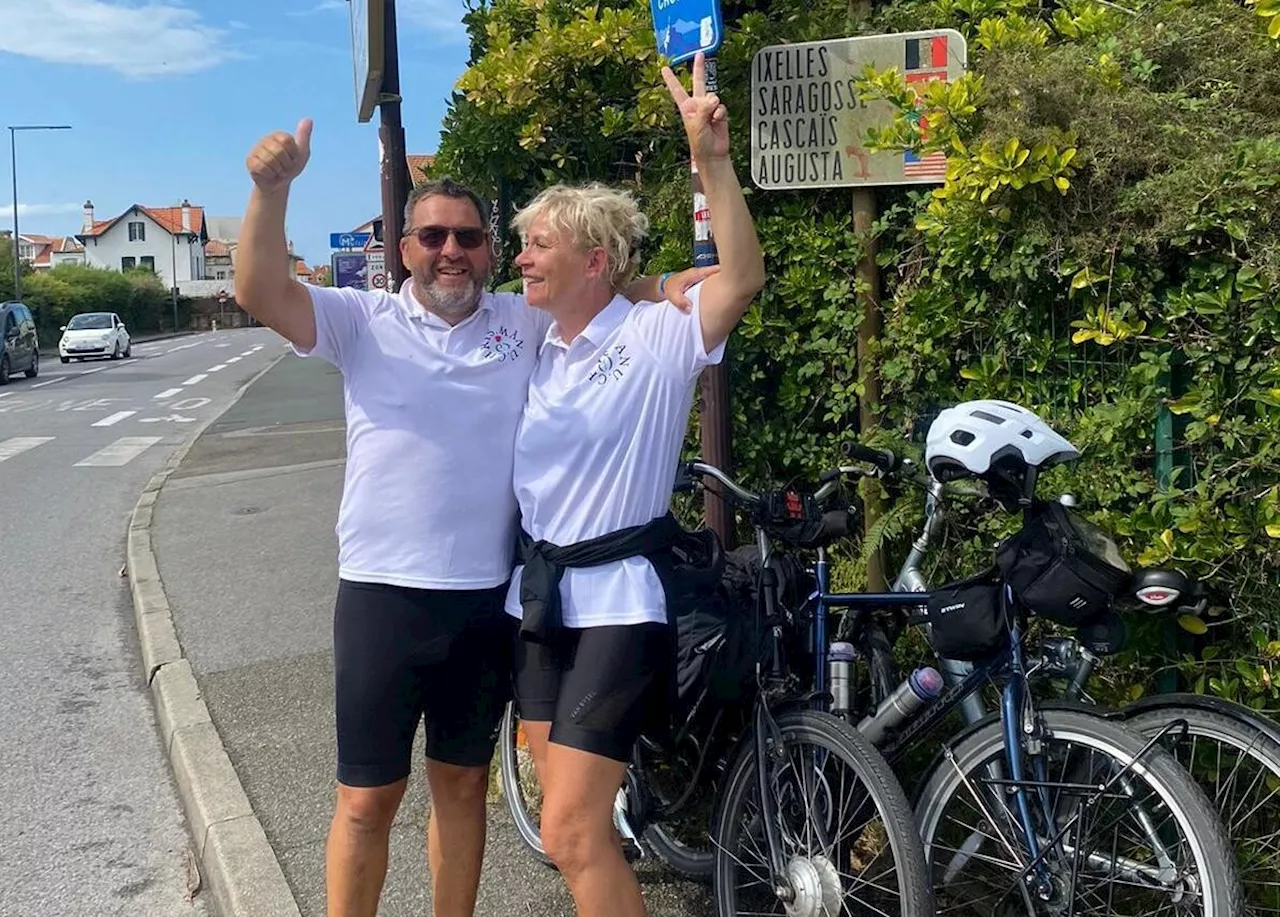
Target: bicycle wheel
<point>519,782</point>
<point>849,843</point>
<point>1150,844</point>
<point>1236,761</point>
<point>682,842</point>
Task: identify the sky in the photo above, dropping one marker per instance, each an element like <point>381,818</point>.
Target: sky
<point>166,98</point>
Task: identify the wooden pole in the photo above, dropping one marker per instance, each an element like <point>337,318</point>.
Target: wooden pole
<point>868,299</point>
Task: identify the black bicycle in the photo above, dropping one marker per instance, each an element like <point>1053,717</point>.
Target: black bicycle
<point>806,817</point>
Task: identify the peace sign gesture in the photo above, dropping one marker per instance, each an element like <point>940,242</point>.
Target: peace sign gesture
<point>706,120</point>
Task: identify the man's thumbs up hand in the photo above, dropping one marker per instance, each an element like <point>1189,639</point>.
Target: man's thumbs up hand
<point>278,158</point>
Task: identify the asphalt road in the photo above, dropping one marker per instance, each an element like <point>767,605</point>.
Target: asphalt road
<point>92,824</point>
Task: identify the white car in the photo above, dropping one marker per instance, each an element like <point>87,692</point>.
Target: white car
<point>94,334</point>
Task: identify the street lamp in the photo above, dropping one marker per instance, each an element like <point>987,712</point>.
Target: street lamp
<point>13,165</point>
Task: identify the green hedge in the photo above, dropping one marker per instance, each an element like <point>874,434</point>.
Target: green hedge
<point>1106,251</point>
<point>54,295</point>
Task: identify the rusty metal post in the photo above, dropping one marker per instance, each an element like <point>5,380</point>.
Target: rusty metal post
<point>715,425</point>
<point>393,164</point>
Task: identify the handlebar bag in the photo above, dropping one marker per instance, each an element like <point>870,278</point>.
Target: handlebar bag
<point>1062,567</point>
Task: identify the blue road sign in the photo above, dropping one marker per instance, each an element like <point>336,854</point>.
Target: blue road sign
<point>682,28</point>
<point>349,239</point>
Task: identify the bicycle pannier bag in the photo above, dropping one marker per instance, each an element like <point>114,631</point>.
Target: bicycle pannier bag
<point>1062,567</point>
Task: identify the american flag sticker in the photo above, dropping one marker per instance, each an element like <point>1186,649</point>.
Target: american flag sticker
<point>933,165</point>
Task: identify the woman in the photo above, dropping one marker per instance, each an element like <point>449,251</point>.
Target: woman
<point>596,455</point>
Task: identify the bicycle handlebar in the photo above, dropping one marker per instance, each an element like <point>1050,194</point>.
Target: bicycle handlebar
<point>884,459</point>
<point>702,468</point>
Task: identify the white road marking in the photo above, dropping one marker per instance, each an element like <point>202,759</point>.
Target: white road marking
<point>19,444</point>
<point>189,404</point>
<point>113,418</point>
<point>121,452</point>
<point>54,381</point>
<point>169,393</point>
<point>199,377</point>
<point>218,368</point>
<point>5,394</point>
<point>175,418</point>
<point>235,360</point>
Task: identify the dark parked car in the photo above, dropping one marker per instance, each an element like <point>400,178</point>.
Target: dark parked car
<point>21,349</point>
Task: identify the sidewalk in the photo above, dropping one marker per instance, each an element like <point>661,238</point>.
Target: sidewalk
<point>245,564</point>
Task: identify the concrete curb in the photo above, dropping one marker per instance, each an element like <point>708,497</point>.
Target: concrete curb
<point>235,858</point>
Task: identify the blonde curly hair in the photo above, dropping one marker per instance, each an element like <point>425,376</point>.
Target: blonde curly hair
<point>592,216</point>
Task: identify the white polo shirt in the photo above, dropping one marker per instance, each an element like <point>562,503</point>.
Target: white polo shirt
<point>432,411</point>
<point>598,447</point>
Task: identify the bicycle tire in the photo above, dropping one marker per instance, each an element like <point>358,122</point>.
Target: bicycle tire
<point>513,784</point>
<point>690,862</point>
<point>832,736</point>
<point>1172,787</point>
<point>684,859</point>
<point>1252,765</point>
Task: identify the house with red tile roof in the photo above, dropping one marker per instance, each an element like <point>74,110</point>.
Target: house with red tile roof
<point>167,240</point>
<point>44,252</point>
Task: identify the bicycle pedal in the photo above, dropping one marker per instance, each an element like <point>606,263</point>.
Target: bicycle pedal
<point>632,850</point>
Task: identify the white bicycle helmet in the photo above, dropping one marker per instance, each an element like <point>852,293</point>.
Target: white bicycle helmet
<point>973,437</point>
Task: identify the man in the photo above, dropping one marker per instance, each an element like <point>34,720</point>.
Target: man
<point>435,379</point>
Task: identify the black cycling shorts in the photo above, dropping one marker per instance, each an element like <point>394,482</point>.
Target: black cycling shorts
<point>599,687</point>
<point>401,654</point>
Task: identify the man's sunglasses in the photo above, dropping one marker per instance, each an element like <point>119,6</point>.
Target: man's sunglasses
<point>436,236</point>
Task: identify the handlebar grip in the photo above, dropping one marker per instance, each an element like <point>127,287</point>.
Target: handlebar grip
<point>881,458</point>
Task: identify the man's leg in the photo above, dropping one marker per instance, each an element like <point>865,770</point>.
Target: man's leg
<point>356,854</point>
<point>465,698</point>
<point>458,816</point>
<point>377,696</point>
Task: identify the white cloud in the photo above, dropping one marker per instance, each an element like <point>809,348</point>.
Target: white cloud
<point>154,38</point>
<point>442,18</point>
<point>35,210</point>
<point>323,6</point>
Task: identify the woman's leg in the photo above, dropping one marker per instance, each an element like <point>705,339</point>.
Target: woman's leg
<point>607,686</point>
<point>578,790</point>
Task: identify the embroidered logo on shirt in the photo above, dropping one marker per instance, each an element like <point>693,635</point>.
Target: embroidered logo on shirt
<point>610,365</point>
<point>502,344</point>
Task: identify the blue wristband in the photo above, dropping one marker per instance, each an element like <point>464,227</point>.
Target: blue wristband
<point>662,284</point>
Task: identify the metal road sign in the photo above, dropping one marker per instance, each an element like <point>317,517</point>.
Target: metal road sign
<point>682,28</point>
<point>808,125</point>
<point>348,240</point>
<point>368,54</point>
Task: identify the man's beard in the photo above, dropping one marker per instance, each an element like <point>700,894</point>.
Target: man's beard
<point>449,302</point>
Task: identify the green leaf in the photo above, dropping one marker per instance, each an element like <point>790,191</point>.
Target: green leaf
<point>1192,625</point>
<point>1273,531</point>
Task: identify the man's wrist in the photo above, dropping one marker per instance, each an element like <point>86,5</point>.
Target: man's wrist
<point>662,282</point>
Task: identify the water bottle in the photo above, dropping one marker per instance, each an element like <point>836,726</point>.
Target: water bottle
<point>839,666</point>
<point>920,687</point>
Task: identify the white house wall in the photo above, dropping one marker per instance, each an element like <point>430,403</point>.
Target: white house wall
<point>107,249</point>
